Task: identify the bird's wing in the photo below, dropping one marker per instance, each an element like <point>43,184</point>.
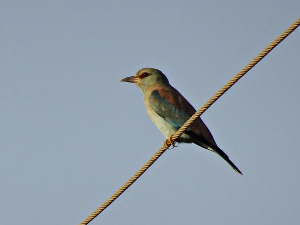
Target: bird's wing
<point>176,110</point>
<point>169,105</point>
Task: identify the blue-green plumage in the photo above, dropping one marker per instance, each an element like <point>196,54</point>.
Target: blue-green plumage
<point>169,110</point>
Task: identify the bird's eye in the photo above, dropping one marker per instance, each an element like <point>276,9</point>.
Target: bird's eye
<point>145,74</point>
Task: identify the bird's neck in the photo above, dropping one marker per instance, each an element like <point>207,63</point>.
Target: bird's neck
<point>156,86</point>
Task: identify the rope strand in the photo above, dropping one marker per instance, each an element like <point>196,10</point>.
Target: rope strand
<point>238,76</point>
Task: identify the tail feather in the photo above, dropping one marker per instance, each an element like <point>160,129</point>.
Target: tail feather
<point>202,142</point>
<point>226,158</point>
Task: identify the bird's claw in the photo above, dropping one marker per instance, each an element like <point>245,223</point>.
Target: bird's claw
<point>169,141</point>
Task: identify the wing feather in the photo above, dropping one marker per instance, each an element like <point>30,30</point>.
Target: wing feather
<point>176,110</point>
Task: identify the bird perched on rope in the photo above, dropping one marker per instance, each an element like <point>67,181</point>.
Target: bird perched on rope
<point>169,110</point>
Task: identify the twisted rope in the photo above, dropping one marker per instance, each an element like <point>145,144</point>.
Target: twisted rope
<point>166,145</point>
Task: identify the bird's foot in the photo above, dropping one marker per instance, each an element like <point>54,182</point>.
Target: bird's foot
<point>169,141</point>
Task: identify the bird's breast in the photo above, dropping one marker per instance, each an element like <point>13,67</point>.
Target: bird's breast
<point>166,128</point>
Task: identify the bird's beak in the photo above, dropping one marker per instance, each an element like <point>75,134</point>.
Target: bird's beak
<point>131,79</point>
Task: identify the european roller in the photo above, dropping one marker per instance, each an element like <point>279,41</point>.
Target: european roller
<point>169,110</point>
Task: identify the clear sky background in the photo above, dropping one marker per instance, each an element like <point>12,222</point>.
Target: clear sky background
<point>71,133</point>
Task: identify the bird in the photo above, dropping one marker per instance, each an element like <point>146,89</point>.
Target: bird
<point>169,110</point>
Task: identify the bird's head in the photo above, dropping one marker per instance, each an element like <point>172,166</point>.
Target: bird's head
<point>147,77</point>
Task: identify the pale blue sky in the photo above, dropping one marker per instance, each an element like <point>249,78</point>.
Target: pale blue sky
<point>72,133</point>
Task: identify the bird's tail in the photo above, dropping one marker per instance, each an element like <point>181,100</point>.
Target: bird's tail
<point>219,151</point>
<point>226,158</point>
<point>202,142</point>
